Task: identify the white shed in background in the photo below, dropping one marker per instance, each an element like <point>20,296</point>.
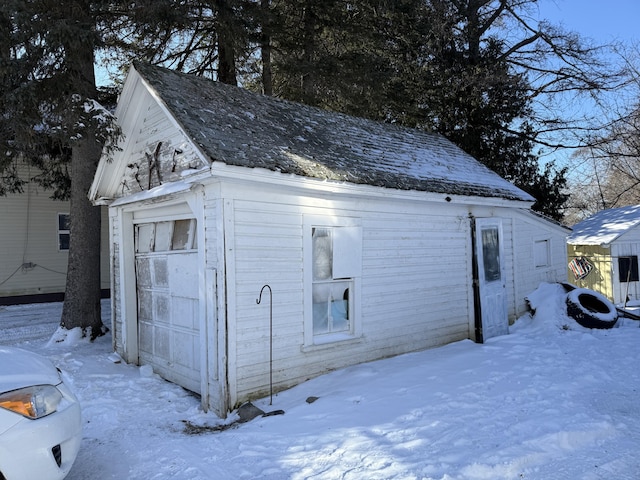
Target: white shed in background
<point>603,253</point>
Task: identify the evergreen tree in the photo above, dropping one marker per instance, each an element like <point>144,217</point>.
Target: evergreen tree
<point>211,38</point>
<point>439,65</point>
<point>51,119</point>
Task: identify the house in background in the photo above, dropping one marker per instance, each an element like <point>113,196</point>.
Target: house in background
<point>603,253</point>
<point>35,243</point>
<point>373,240</point>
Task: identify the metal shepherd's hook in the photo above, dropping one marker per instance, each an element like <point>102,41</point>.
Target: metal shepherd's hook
<point>258,300</point>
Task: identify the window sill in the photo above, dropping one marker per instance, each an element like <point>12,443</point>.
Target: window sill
<point>331,341</point>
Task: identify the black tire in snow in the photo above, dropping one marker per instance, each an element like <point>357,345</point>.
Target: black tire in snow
<point>591,309</point>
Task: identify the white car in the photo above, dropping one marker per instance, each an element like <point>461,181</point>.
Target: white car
<point>40,418</point>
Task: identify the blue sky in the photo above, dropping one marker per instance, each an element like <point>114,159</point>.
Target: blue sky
<point>601,20</point>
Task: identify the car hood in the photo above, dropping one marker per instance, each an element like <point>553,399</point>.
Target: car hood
<point>21,368</point>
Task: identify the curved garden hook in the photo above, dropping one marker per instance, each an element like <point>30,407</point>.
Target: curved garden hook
<point>258,300</point>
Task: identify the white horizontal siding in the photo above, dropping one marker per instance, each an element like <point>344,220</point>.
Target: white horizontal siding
<point>268,250</point>
<point>528,229</point>
<point>30,236</point>
<point>175,155</point>
<point>416,283</point>
<point>412,296</point>
<point>509,244</point>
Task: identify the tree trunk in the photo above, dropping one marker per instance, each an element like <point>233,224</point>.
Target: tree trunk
<point>267,79</point>
<point>308,55</point>
<point>82,292</point>
<point>226,51</point>
<point>226,62</point>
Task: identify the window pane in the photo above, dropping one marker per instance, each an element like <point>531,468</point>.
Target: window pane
<point>322,253</point>
<point>180,239</point>
<point>347,252</point>
<point>320,308</point>
<point>63,221</point>
<point>340,307</point>
<point>331,307</point>
<point>144,240</point>
<point>63,241</point>
<point>163,236</point>
<point>628,269</point>
<point>491,254</point>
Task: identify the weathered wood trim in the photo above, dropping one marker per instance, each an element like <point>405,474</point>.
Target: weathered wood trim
<point>230,300</point>
<point>294,183</point>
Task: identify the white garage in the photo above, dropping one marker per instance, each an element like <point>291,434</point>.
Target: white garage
<point>374,240</point>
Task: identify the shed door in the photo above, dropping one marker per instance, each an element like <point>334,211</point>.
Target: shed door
<point>492,318</point>
<point>167,289</point>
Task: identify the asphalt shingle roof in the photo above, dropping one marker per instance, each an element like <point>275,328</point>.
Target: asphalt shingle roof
<point>238,127</point>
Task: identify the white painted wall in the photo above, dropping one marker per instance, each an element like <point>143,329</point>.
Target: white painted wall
<point>415,290</point>
<point>627,244</point>
<point>528,272</point>
<point>415,286</point>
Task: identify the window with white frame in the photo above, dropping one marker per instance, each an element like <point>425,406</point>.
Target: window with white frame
<point>335,257</point>
<point>542,252</point>
<point>628,268</point>
<point>63,231</point>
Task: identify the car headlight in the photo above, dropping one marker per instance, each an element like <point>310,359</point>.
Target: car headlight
<point>32,402</point>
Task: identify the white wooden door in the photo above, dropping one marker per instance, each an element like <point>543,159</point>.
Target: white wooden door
<point>491,290</point>
<point>168,311</point>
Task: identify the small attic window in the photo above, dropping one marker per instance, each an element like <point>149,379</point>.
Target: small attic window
<point>628,269</point>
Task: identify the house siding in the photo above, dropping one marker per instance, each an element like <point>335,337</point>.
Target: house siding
<point>408,280</point>
<point>411,298</point>
<point>599,279</point>
<point>268,250</point>
<point>627,245</point>
<point>527,230</point>
<point>154,129</point>
<point>509,241</point>
<point>415,287</point>
<point>30,261</point>
<point>29,236</point>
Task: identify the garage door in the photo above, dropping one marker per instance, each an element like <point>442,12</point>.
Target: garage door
<point>167,290</point>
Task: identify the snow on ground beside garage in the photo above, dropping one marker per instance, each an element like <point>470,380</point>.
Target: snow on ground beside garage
<point>549,401</point>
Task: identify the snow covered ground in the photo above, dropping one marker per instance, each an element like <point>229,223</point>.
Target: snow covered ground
<point>549,401</point>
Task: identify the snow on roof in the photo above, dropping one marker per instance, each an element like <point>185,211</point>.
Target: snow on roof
<point>606,226</point>
<point>237,127</point>
<point>158,191</point>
